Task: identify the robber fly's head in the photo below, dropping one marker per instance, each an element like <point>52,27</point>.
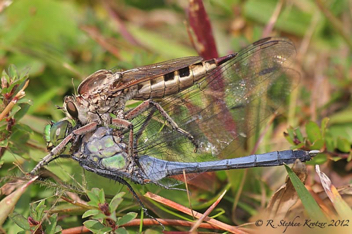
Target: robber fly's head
<point>75,109</point>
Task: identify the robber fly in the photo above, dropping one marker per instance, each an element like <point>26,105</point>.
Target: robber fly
<point>230,82</point>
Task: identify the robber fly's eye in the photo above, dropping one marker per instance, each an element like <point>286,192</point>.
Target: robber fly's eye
<point>72,110</point>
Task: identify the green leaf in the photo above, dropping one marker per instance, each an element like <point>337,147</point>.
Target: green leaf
<point>58,229</point>
<point>313,131</point>
<point>324,125</point>
<point>90,213</point>
<point>51,227</point>
<point>115,202</point>
<point>14,110</point>
<point>8,80</point>
<point>93,225</point>
<point>93,197</point>
<point>20,220</point>
<point>22,111</point>
<point>121,230</point>
<point>329,143</point>
<point>39,210</point>
<point>96,226</point>
<point>126,218</point>
<point>95,191</point>
<point>318,159</point>
<point>101,196</point>
<point>4,143</point>
<point>310,205</point>
<point>299,135</point>
<point>12,72</point>
<point>99,216</point>
<point>290,132</point>
<point>335,159</point>
<point>318,144</point>
<point>343,145</point>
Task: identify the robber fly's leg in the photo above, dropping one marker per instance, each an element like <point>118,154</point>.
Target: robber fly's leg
<point>150,104</point>
<point>60,147</point>
<point>127,125</point>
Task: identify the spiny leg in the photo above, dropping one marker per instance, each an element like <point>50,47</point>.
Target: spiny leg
<point>150,104</point>
<point>59,148</point>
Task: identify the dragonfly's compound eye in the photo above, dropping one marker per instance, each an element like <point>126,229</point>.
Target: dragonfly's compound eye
<point>47,134</point>
<point>72,110</point>
<point>56,132</point>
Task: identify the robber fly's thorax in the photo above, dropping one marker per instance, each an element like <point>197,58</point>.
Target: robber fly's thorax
<point>95,101</point>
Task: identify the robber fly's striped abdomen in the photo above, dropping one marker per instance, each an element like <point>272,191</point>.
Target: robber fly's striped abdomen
<point>178,80</point>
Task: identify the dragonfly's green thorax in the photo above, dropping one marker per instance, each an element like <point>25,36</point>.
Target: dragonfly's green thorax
<point>104,152</point>
<point>107,151</point>
<point>115,162</point>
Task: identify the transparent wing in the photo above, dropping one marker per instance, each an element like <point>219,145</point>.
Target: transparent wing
<point>221,110</point>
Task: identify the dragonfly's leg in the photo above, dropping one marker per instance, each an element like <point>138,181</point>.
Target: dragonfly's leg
<point>60,156</point>
<point>142,128</point>
<point>127,125</point>
<point>108,174</point>
<point>149,104</point>
<point>54,152</point>
<point>59,148</point>
<point>124,182</point>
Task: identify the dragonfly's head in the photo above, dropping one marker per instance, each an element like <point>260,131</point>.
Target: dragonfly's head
<point>54,133</point>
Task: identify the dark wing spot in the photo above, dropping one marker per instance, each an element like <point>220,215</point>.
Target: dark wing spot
<point>268,70</point>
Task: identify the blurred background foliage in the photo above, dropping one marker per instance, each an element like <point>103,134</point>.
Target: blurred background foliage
<point>62,42</point>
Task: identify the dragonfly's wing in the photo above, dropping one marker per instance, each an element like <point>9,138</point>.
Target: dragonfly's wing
<point>222,109</point>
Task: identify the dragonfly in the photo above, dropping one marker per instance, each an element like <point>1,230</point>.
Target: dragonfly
<point>191,114</point>
<point>104,153</point>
